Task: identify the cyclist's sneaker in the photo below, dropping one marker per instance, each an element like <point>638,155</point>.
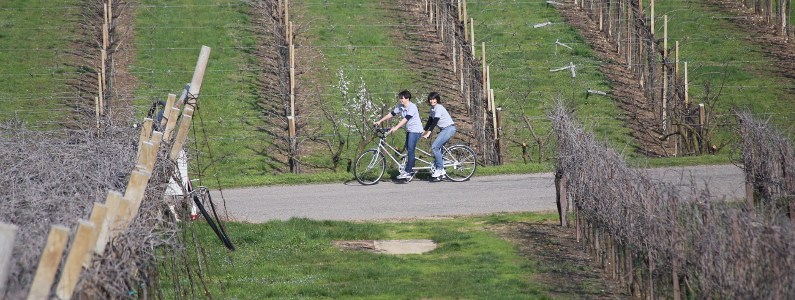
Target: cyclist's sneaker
<point>438,173</point>
<point>403,175</point>
<point>410,176</point>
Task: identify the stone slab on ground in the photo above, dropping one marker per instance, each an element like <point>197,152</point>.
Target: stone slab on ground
<point>388,246</point>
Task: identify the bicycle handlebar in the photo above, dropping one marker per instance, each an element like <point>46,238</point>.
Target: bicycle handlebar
<point>384,131</point>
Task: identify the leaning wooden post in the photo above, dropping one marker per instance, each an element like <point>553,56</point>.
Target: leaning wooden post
<point>167,110</point>
<point>74,260</point>
<point>122,218</point>
<point>48,263</point>
<point>8,234</point>
<point>172,122</point>
<point>136,189</point>
<point>98,214</point>
<point>182,133</point>
<point>198,77</point>
<point>112,207</point>
<point>146,133</point>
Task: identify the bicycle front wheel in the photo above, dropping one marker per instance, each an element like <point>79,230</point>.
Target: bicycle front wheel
<point>370,167</point>
<point>460,162</point>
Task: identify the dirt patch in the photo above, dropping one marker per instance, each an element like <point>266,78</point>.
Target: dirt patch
<point>562,264</point>
<point>388,246</point>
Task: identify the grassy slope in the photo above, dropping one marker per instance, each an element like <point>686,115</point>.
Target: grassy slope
<point>521,58</point>
<point>169,43</point>
<point>717,51</point>
<point>34,36</point>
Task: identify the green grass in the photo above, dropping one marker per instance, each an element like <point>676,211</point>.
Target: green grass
<point>295,259</point>
<point>169,36</point>
<point>719,53</point>
<point>521,58</point>
<point>34,39</point>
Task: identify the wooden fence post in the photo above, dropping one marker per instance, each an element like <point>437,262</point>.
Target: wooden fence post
<point>8,234</point>
<point>167,110</point>
<point>146,133</point>
<point>172,116</point>
<point>48,263</point>
<point>112,207</point>
<point>74,260</point>
<point>182,134</point>
<point>135,190</point>
<point>122,218</point>
<point>562,199</point>
<point>198,76</point>
<point>98,214</point>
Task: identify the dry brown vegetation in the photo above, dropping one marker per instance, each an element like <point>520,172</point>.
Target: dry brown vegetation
<point>658,240</point>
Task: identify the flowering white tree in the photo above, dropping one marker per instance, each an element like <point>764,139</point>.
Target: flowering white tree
<point>359,109</point>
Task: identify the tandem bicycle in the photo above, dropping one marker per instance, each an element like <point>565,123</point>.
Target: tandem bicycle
<point>460,161</point>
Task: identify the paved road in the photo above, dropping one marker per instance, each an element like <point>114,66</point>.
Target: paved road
<point>425,199</point>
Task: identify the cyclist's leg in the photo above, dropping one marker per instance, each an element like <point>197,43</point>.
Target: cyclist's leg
<point>411,142</point>
<point>441,139</point>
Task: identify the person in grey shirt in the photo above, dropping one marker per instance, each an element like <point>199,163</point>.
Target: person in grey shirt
<point>438,117</point>
<point>411,118</point>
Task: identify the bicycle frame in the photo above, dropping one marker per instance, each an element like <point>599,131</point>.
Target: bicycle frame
<point>386,149</point>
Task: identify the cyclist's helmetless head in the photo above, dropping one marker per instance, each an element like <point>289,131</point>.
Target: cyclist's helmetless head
<point>434,98</point>
<point>404,97</point>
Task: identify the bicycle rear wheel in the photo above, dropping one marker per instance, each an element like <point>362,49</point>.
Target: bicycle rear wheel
<point>460,162</point>
<point>370,167</point>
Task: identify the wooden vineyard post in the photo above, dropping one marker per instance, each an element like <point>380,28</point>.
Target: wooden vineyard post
<point>562,199</point>
<point>167,110</point>
<point>483,75</point>
<point>96,109</point>
<point>99,90</point>
<point>112,208</point>
<point>182,133</point>
<point>500,143</point>
<point>98,214</point>
<point>146,132</point>
<point>687,100</point>
<point>122,218</point>
<point>81,245</point>
<point>48,263</point>
<point>172,122</point>
<point>198,77</point>
<point>472,33</point>
<point>135,190</point>
<point>8,234</point>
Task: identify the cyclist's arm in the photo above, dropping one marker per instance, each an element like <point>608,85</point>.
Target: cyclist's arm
<point>429,125</point>
<point>402,122</point>
<point>387,117</point>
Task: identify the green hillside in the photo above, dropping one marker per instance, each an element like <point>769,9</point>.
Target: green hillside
<point>377,46</point>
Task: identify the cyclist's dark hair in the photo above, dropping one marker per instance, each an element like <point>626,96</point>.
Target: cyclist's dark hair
<point>404,94</point>
<point>435,95</point>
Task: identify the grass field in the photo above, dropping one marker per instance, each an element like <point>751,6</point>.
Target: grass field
<point>35,37</point>
<point>295,259</point>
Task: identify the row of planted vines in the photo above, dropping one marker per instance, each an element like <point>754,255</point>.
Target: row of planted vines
<point>662,241</point>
